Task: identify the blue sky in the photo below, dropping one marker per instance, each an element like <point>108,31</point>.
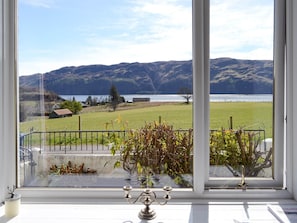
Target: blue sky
<point>57,33</point>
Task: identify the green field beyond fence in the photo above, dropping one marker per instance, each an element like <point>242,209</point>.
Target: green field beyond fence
<point>247,115</point>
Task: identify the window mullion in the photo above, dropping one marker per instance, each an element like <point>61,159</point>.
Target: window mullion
<point>278,96</point>
<point>201,91</point>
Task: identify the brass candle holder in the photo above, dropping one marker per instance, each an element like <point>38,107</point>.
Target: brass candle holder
<point>147,197</point>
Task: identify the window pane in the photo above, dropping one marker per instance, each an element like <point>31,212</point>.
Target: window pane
<point>105,93</point>
<point>241,90</point>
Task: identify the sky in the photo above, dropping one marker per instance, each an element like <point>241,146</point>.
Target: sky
<point>57,33</point>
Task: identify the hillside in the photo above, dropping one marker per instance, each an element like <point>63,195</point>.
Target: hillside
<point>33,94</point>
<point>227,75</point>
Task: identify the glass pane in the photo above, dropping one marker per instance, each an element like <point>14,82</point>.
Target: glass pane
<point>241,90</point>
<point>105,93</point>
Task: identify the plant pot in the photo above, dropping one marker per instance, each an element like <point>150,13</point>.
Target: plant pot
<point>12,206</point>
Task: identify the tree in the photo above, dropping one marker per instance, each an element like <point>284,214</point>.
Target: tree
<point>92,101</point>
<point>186,93</point>
<point>73,106</point>
<point>115,98</point>
<point>89,101</point>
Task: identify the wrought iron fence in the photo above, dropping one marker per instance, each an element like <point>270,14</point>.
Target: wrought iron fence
<point>89,142</point>
<point>71,141</point>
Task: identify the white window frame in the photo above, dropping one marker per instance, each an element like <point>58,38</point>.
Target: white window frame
<point>277,180</point>
<point>8,97</point>
<point>9,112</point>
<point>291,95</point>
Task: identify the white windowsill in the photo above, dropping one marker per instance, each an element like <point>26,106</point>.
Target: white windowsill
<point>122,212</point>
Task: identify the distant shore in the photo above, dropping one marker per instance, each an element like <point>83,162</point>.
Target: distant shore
<point>180,98</point>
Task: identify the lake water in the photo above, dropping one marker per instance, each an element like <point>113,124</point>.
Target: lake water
<point>179,98</point>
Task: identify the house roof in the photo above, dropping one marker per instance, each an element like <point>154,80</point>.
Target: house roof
<point>64,111</point>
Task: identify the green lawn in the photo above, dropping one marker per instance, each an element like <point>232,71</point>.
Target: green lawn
<point>249,115</point>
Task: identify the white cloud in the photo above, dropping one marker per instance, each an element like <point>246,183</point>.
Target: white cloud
<point>154,30</point>
<point>241,28</point>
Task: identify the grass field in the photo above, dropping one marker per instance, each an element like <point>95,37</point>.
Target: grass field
<point>249,115</point>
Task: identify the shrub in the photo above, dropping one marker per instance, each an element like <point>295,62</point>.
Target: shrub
<point>73,106</point>
<point>157,148</point>
<point>237,148</point>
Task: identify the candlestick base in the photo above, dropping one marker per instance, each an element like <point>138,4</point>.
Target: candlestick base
<point>147,213</point>
<point>147,197</point>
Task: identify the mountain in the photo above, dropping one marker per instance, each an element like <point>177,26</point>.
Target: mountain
<point>34,94</point>
<point>227,75</point>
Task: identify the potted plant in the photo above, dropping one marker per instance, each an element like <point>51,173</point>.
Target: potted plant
<point>157,149</point>
<point>12,203</point>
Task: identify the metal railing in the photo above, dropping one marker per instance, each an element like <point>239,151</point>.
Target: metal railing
<point>84,142</point>
<point>71,141</point>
